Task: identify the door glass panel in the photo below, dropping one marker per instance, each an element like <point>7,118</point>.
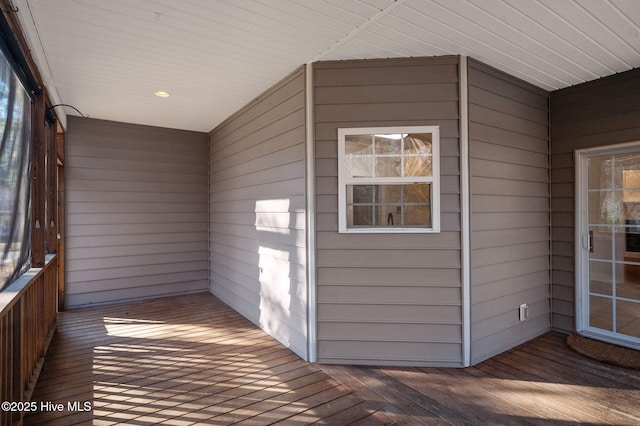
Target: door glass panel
<point>606,207</point>
<point>601,247</point>
<point>600,281</point>
<point>628,281</point>
<point>620,236</point>
<point>627,318</point>
<point>613,210</point>
<point>601,313</point>
<point>599,172</point>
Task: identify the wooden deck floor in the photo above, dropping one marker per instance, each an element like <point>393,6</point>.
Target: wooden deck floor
<point>180,361</point>
<point>539,382</point>
<point>192,360</point>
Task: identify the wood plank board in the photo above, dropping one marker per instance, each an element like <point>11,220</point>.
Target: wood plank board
<point>539,382</point>
<point>184,360</point>
<point>191,360</point>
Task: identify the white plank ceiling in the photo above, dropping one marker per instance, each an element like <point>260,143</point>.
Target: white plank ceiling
<point>108,58</point>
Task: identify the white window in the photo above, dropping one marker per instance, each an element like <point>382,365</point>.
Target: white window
<point>389,179</point>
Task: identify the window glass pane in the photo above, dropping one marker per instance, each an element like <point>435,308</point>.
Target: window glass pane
<point>417,166</point>
<point>362,194</point>
<point>419,143</point>
<point>358,145</point>
<point>359,166</point>
<point>388,193</point>
<point>417,193</point>
<point>389,215</point>
<point>389,205</point>
<point>417,210</point>
<point>388,167</point>
<point>362,216</point>
<point>417,215</point>
<point>388,144</point>
<point>359,161</point>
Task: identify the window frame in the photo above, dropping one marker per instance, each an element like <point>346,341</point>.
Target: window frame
<point>433,180</point>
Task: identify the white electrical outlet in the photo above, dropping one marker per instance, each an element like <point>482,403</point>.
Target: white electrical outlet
<point>524,312</point>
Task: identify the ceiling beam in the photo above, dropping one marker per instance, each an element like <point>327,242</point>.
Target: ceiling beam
<point>374,19</point>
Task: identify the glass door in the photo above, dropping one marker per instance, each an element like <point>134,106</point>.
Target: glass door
<point>609,247</point>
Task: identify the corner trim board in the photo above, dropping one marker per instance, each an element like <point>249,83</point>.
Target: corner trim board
<point>465,212</point>
<point>312,350</point>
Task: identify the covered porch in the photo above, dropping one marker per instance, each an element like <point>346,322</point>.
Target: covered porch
<point>239,197</point>
<point>192,360</point>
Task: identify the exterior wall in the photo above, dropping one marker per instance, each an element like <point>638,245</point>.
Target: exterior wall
<point>598,113</point>
<point>509,184</point>
<point>257,219</point>
<point>136,211</point>
<point>387,298</point>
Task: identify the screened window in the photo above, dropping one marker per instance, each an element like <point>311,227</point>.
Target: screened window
<point>15,131</point>
<point>389,179</point>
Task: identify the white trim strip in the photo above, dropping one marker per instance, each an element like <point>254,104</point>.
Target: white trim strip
<point>310,181</point>
<point>580,163</point>
<point>374,19</point>
<point>465,212</point>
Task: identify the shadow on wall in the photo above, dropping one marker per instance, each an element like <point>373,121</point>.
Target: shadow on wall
<point>282,273</point>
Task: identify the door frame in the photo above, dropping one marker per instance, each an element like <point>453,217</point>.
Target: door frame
<point>581,243</point>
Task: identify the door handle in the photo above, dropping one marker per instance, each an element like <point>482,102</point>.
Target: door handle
<point>587,241</point>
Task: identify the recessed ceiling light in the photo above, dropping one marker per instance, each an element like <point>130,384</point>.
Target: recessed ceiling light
<point>162,94</point>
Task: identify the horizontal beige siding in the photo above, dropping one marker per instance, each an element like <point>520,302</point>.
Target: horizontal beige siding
<point>509,172</point>
<point>599,113</point>
<point>384,298</point>
<point>136,212</point>
<point>258,212</point>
